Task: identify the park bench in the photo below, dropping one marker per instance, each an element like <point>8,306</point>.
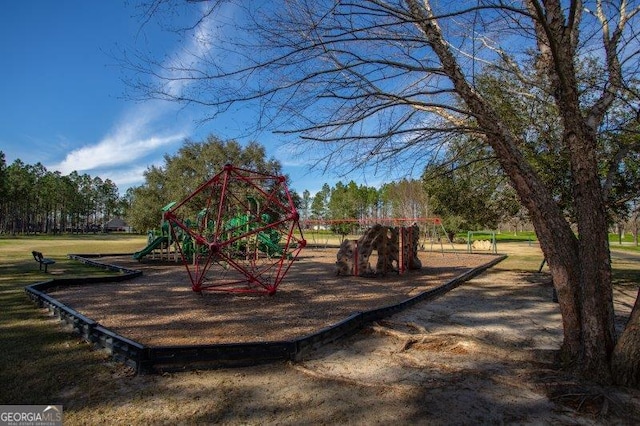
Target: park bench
<point>38,257</point>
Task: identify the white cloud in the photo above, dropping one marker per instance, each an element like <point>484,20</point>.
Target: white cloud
<point>127,177</point>
<point>183,64</point>
<point>131,140</point>
<point>137,134</point>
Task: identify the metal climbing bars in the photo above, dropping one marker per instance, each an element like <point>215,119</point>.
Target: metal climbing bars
<point>237,232</point>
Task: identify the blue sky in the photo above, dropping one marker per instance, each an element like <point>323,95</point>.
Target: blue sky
<point>63,102</point>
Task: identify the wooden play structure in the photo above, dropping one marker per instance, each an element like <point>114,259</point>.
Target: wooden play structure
<point>394,249</point>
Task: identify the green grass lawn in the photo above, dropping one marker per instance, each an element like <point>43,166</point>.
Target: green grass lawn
<point>521,236</point>
<point>38,360</point>
<point>625,244</point>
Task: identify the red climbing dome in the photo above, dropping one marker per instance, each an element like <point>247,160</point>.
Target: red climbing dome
<point>237,232</point>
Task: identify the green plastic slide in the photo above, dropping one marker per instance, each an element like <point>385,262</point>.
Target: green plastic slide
<point>269,246</point>
<point>151,247</point>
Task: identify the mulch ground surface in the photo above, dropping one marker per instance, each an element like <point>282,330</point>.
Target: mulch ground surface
<point>159,308</point>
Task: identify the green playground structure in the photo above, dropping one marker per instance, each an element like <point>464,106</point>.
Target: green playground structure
<point>155,244</point>
<point>157,241</point>
<point>268,240</point>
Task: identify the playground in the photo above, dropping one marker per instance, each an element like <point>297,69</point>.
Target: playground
<point>209,277</point>
<point>237,236</point>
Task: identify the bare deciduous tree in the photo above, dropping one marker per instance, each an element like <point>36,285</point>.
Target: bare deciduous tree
<point>391,80</point>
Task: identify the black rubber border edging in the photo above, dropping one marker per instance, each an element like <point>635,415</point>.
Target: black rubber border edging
<point>162,358</point>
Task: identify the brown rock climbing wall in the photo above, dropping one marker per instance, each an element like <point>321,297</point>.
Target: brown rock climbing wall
<point>385,241</point>
<point>387,247</point>
<point>366,244</point>
<point>345,257</point>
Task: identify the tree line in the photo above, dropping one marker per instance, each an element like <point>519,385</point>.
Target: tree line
<point>36,200</point>
<point>467,192</point>
<point>197,161</point>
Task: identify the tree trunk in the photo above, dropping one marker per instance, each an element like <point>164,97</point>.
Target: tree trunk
<point>589,273</point>
<point>580,265</point>
<point>560,248</point>
<point>625,361</point>
<point>595,284</point>
<point>581,271</point>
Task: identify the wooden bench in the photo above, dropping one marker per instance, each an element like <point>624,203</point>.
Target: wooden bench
<point>38,257</point>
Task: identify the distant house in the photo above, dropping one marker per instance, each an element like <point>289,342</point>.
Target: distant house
<point>117,225</point>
